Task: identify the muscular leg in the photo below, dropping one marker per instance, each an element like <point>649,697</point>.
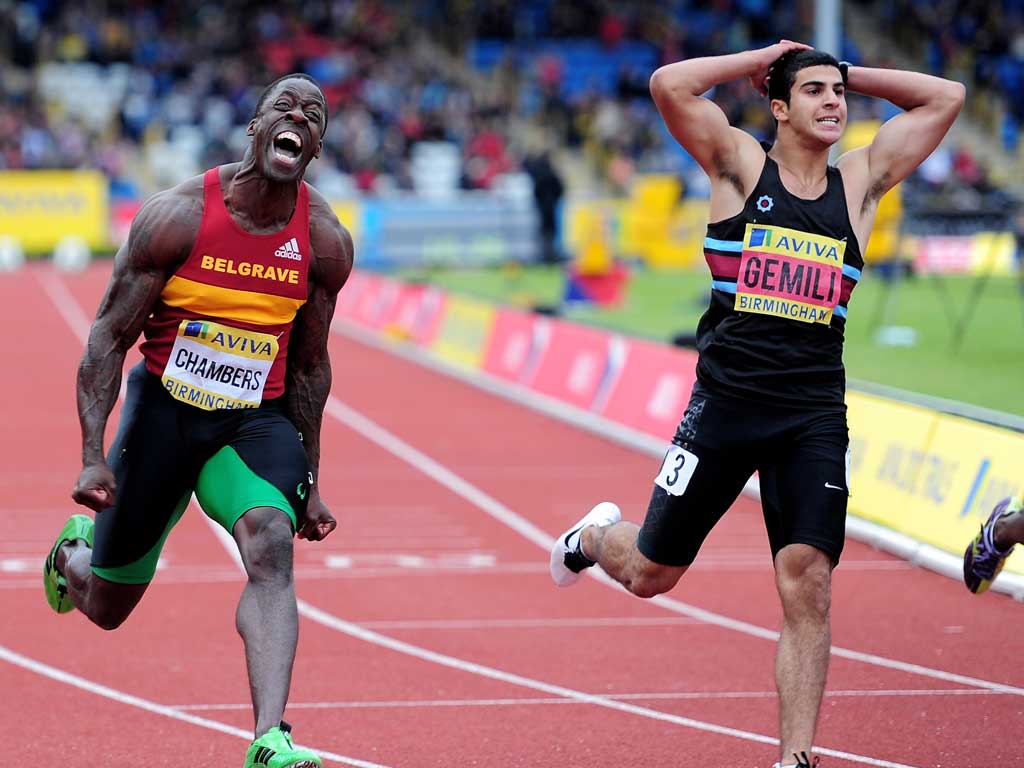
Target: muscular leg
<point>267,616</point>
<point>613,547</point>
<point>803,576</point>
<point>105,603</point>
<point>696,484</point>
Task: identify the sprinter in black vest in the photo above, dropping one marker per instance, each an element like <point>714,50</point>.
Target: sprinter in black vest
<point>785,251</point>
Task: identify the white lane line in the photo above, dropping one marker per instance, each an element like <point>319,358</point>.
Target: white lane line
<point>482,670</point>
<point>531,701</point>
<point>128,699</point>
<point>65,303</point>
<point>383,641</point>
<point>436,471</point>
<point>461,487</point>
<point>523,396</point>
<point>630,621</point>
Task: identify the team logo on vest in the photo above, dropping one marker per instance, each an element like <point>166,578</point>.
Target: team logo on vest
<point>289,250</point>
<point>765,203</point>
<point>250,269</point>
<point>788,273</point>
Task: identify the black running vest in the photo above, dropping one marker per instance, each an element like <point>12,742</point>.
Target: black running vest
<point>782,272</point>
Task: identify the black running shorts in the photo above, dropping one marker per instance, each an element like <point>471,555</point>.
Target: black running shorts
<point>234,460</point>
<point>801,457</point>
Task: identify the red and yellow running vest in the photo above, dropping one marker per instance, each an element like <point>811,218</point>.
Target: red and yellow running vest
<point>218,337</point>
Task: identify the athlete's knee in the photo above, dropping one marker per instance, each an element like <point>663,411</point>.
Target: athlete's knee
<point>108,605</point>
<point>109,618</point>
<point>264,538</point>
<point>803,576</point>
<point>651,579</point>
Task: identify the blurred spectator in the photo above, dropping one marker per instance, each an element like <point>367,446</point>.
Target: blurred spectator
<point>486,156</point>
<point>547,194</point>
<point>978,42</point>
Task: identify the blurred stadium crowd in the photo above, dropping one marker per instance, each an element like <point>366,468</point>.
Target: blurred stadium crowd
<point>979,42</point>
<point>460,93</point>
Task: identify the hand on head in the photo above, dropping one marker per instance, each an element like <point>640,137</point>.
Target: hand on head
<point>766,59</point>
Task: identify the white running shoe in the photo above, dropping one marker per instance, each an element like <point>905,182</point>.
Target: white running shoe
<point>567,558</point>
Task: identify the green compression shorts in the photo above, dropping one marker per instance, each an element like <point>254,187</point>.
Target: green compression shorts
<point>234,461</point>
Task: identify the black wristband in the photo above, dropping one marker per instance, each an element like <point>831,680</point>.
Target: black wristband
<point>844,70</point>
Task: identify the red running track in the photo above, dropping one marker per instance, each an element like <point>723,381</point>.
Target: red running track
<point>431,634</point>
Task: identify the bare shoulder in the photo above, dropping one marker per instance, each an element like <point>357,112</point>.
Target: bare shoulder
<point>166,226</point>
<point>857,180</point>
<point>862,192</point>
<point>333,252</point>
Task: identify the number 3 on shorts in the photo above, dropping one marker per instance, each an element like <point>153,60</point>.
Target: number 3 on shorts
<point>676,470</point>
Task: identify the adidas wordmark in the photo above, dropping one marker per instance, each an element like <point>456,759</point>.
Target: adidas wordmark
<point>289,250</point>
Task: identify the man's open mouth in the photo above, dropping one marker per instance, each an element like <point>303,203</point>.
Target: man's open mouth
<point>287,145</point>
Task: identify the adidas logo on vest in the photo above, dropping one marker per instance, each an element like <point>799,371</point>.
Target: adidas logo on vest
<point>289,250</point>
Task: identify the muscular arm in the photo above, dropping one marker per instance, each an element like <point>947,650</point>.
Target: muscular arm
<point>308,378</point>
<point>160,238</point>
<point>902,143</point>
<point>700,126</point>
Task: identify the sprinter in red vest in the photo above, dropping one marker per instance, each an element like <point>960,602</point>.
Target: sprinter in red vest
<point>232,278</point>
<point>784,248</point>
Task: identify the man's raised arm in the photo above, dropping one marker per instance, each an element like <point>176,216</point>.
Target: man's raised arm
<point>698,124</point>
<point>902,143</point>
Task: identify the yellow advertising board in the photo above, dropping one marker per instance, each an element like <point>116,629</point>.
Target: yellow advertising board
<point>888,449</point>
<point>981,465</point>
<point>930,476</point>
<point>39,208</point>
<point>465,329</point>
<point>663,238</point>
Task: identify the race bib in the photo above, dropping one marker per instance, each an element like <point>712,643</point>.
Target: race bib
<point>788,273</point>
<point>214,366</point>
<point>676,470</point>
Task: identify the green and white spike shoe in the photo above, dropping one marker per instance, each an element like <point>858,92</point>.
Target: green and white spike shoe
<point>274,749</point>
<point>77,527</point>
